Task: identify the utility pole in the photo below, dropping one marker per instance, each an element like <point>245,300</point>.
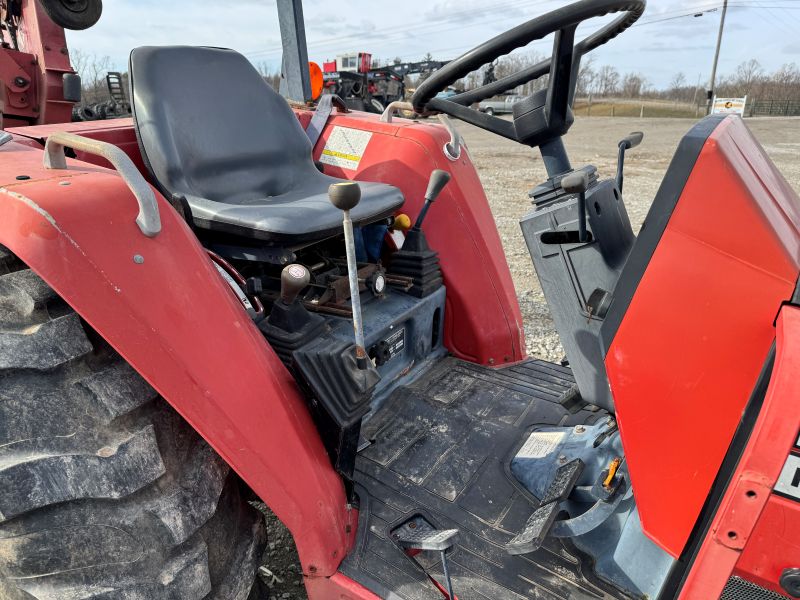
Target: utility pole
<point>713,83</point>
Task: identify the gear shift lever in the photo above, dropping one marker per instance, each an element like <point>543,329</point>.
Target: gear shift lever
<point>345,196</point>
<point>290,326</point>
<point>294,279</point>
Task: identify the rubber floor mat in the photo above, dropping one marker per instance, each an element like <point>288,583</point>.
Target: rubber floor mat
<point>440,449</point>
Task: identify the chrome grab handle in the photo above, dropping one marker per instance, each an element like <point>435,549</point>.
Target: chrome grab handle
<point>393,107</point>
<point>149,219</point>
<point>451,150</point>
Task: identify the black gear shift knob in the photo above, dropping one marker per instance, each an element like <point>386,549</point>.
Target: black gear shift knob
<point>294,279</point>
<point>345,195</point>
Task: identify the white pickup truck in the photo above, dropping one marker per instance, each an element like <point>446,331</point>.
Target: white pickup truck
<point>498,106</point>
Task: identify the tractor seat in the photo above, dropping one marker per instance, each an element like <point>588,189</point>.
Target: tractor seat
<point>213,131</point>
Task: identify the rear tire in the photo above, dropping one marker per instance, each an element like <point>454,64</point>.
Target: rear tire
<point>489,111</point>
<point>105,491</point>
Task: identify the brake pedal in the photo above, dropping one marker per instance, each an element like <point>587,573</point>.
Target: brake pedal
<point>433,540</point>
<point>541,521</point>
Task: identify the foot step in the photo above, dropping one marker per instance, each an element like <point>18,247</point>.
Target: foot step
<point>435,540</point>
<point>541,521</point>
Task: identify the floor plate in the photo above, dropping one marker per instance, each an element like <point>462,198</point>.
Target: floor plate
<point>440,449</point>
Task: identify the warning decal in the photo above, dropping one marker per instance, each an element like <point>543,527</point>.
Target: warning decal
<point>789,482</point>
<point>541,444</point>
<point>345,148</point>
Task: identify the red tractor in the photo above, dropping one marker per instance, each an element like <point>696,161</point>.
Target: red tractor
<point>199,308</point>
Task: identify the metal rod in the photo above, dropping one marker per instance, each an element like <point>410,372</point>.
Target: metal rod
<point>621,167</point>
<point>447,581</point>
<point>422,214</point>
<point>582,237</point>
<point>713,82</point>
<point>355,294</point>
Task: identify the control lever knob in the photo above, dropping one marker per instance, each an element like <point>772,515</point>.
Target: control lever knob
<point>632,140</point>
<point>345,195</point>
<point>576,182</point>
<point>436,184</point>
<point>294,279</point>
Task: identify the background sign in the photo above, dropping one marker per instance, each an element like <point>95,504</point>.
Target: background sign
<point>729,106</point>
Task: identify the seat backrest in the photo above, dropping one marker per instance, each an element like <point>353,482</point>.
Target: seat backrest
<point>210,126</point>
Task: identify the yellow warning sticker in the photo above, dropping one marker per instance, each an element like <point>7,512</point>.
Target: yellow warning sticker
<point>345,148</point>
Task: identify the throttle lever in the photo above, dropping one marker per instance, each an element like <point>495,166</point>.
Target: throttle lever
<point>631,141</point>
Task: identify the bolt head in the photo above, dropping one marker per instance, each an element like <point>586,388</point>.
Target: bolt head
<point>579,429</point>
<point>138,259</point>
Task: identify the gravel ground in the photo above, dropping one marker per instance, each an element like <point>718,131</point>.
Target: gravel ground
<point>508,171</point>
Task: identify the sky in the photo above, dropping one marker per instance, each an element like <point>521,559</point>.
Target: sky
<point>668,40</point>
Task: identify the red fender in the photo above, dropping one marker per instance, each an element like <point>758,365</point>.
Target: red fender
<point>173,318</point>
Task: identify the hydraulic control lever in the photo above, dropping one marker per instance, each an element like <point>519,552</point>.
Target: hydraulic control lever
<point>577,182</point>
<point>436,184</point>
<point>626,143</point>
<point>415,259</point>
<point>345,196</point>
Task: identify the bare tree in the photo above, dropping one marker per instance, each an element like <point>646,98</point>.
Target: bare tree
<point>586,77</point>
<point>785,83</point>
<point>634,85</point>
<point>747,75</point>
<point>607,81</point>
<point>93,70</point>
<point>677,85</point>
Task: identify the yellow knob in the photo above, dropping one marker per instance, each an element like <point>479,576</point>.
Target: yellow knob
<point>402,222</point>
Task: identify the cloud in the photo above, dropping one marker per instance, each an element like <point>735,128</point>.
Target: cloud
<point>447,28</point>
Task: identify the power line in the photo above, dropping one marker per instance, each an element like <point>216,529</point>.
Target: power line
<point>398,32</point>
<point>403,29</point>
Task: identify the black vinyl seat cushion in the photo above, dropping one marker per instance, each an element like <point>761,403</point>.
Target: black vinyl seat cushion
<point>213,131</point>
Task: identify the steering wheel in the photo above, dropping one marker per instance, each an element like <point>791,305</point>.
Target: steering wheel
<point>547,114</point>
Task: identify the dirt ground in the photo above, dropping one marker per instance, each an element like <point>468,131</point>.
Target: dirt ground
<point>508,171</point>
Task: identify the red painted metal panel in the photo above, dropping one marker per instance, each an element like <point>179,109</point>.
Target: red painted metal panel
<point>691,345</point>
<point>177,323</point>
<point>338,587</point>
<point>483,322</point>
<point>114,131</point>
<point>772,543</point>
